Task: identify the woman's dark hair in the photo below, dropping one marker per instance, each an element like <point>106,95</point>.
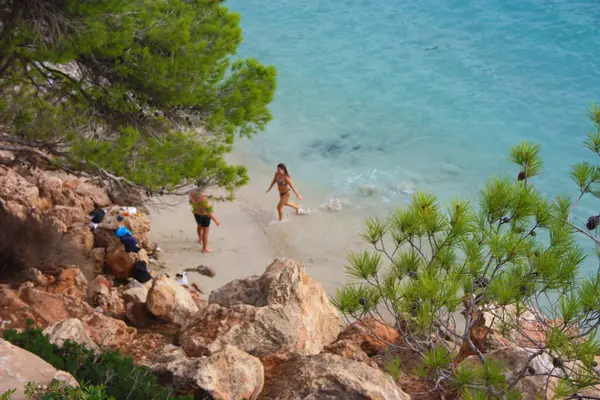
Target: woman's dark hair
<point>283,167</point>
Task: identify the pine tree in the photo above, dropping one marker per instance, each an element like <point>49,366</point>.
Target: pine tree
<point>143,94</point>
<point>513,255</point>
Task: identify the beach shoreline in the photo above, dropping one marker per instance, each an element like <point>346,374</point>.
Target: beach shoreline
<point>250,236</point>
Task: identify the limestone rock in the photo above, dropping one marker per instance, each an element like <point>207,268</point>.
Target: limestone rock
<point>513,359</point>
<point>70,282</point>
<point>13,187</point>
<point>100,286</point>
<point>82,235</point>
<point>14,208</point>
<point>108,332</point>
<point>70,216</point>
<point>289,312</point>
<point>170,302</point>
<point>329,376</point>
<point>228,374</point>
<point>19,367</point>
<point>351,351</point>
<point>139,227</point>
<point>239,291</point>
<point>98,255</point>
<point>135,292</point>
<point>70,329</point>
<point>98,195</point>
<point>370,335</point>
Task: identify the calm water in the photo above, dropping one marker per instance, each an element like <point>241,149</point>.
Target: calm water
<point>426,95</point>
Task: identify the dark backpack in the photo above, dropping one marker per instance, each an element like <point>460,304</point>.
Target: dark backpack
<point>140,272</point>
<point>97,215</point>
<point>130,244</point>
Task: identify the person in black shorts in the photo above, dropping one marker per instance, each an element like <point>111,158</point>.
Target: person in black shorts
<point>203,213</point>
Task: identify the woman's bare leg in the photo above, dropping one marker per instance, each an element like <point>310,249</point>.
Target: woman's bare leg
<point>294,206</point>
<point>205,248</point>
<point>200,232</point>
<point>283,201</point>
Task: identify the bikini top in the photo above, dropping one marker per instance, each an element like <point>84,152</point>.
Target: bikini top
<point>282,182</point>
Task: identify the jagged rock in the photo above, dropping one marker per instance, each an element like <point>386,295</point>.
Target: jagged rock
<point>135,292</point>
<point>351,351</point>
<point>329,376</point>
<point>239,291</point>
<point>47,184</point>
<point>170,302</point>
<point>99,196</point>
<point>108,332</point>
<point>82,235</point>
<point>97,256</point>
<point>370,335</point>
<point>70,216</point>
<point>105,238</point>
<point>19,367</point>
<point>228,374</point>
<point>119,262</point>
<point>112,304</point>
<point>45,308</point>
<point>70,282</point>
<point>13,187</point>
<point>513,359</point>
<point>17,209</point>
<point>70,329</point>
<point>290,312</point>
<point>101,285</point>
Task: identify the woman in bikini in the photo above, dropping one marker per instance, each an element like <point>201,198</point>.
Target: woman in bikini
<point>285,186</point>
<point>203,213</point>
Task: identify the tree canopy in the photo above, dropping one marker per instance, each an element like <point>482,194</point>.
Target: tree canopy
<point>140,93</point>
<point>509,263</point>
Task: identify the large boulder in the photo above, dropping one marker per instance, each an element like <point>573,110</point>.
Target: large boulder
<point>289,312</point>
<point>70,329</point>
<point>513,360</point>
<point>13,187</point>
<point>351,351</point>
<point>228,374</point>
<point>329,376</point>
<point>170,301</point>
<point>19,367</point>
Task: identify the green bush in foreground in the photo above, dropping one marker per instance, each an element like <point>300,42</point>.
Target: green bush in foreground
<point>106,374</point>
<point>513,252</point>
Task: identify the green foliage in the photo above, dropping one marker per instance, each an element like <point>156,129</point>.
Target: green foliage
<point>511,252</point>
<point>106,374</point>
<point>60,391</point>
<point>142,90</point>
<point>7,395</point>
<point>393,368</point>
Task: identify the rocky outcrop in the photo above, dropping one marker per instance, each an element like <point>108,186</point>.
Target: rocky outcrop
<point>13,187</point>
<point>19,367</point>
<point>70,329</point>
<point>514,359</point>
<point>329,376</point>
<point>44,309</point>
<point>227,374</point>
<point>288,312</point>
<point>170,302</point>
<point>119,263</point>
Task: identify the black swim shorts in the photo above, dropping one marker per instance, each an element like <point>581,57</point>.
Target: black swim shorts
<point>202,220</point>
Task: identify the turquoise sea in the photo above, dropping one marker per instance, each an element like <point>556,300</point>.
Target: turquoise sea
<point>429,95</point>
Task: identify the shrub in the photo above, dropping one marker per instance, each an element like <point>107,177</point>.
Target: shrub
<point>60,391</point>
<point>120,377</point>
<point>33,243</point>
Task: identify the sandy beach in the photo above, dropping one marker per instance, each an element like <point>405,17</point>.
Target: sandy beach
<point>250,237</point>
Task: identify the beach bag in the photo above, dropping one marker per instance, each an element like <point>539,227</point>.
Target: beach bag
<point>140,272</point>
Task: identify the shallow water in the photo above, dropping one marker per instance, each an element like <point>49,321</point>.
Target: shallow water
<point>405,96</point>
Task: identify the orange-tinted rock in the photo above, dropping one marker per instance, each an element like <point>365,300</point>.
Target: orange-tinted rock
<point>370,335</point>
<point>351,351</point>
